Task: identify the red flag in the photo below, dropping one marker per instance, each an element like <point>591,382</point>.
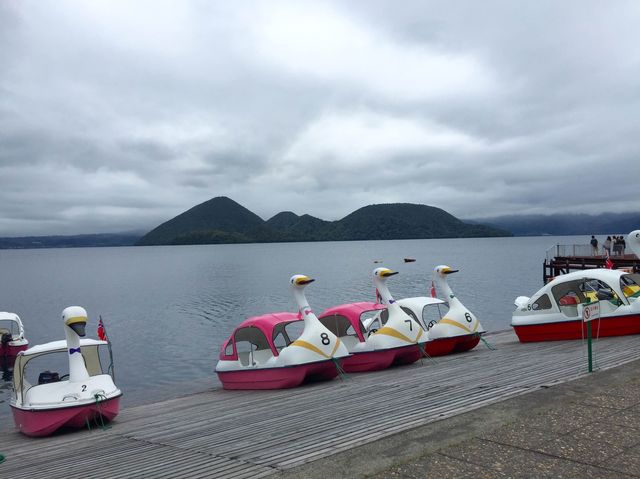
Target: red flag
<point>102,333</point>
<point>433,290</point>
<point>607,262</point>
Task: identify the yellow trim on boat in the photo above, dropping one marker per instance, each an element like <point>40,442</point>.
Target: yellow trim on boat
<point>395,334</point>
<point>304,344</point>
<point>457,324</point>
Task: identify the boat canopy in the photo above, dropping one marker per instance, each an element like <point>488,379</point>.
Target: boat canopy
<point>89,349</point>
<point>267,332</point>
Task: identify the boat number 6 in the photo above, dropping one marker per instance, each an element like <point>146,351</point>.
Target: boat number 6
<point>325,339</point>
<point>84,387</point>
<point>468,317</point>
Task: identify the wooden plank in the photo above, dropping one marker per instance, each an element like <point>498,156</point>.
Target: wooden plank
<point>258,433</point>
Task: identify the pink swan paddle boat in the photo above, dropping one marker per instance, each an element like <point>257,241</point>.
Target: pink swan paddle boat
<point>265,352</point>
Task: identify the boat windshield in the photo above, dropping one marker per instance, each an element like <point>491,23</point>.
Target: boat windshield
<point>252,346</point>
<point>630,285</point>
<point>52,366</point>
<point>340,325</point>
<point>432,313</point>
<point>8,326</point>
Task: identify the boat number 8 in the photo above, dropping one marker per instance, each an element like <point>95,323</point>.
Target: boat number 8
<point>468,317</point>
<point>325,339</point>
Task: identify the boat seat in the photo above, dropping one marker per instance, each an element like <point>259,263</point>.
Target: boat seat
<point>350,341</point>
<point>259,357</point>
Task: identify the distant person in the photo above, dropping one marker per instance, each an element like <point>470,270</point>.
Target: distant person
<point>615,245</point>
<point>594,246</point>
<point>623,245</point>
<point>606,247</point>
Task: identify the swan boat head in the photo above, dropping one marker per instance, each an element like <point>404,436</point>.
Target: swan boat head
<point>400,328</point>
<point>458,321</point>
<point>633,242</point>
<point>316,343</point>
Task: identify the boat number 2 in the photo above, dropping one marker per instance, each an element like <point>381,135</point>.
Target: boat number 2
<point>467,316</point>
<point>84,387</point>
<point>325,339</point>
<point>409,321</point>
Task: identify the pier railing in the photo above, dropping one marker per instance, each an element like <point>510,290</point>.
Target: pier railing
<point>564,258</point>
<point>572,250</point>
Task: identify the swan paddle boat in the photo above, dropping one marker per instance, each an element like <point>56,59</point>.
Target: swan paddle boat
<point>263,352</point>
<point>553,313</point>
<point>399,338</point>
<point>459,328</point>
<point>12,339</point>
<point>46,402</point>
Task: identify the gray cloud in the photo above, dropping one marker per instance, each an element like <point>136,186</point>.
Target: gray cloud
<point>120,115</point>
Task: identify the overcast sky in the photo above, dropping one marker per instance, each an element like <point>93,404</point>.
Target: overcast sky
<point>118,115</point>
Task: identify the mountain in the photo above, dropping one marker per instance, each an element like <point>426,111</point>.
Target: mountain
<point>566,224</point>
<point>406,221</point>
<point>219,220</point>
<point>70,241</point>
<point>222,220</point>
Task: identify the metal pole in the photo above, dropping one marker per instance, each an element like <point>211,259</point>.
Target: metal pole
<point>589,352</point>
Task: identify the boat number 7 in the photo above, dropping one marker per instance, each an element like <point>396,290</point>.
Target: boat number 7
<point>325,339</point>
<point>84,387</point>
<point>468,317</point>
<point>409,321</point>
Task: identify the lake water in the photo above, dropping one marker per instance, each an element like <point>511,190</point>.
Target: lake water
<point>168,309</point>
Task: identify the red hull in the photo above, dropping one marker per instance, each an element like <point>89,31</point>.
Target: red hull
<point>440,347</point>
<point>11,351</point>
<point>39,423</point>
<point>466,342</point>
<point>279,378</point>
<point>577,329</point>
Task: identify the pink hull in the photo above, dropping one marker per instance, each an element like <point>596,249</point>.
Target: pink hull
<point>45,422</point>
<point>369,361</point>
<point>577,329</point>
<point>278,378</point>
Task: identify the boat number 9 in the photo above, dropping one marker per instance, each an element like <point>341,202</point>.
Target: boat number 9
<point>467,316</point>
<point>84,387</point>
<point>430,325</point>
<point>325,339</point>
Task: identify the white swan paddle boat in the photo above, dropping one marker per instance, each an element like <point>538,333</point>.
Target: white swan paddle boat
<point>553,313</point>
<point>87,394</point>
<point>459,330</point>
<point>398,341</point>
<point>12,339</point>
<point>262,354</point>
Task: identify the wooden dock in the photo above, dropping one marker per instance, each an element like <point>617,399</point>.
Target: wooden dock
<point>260,433</point>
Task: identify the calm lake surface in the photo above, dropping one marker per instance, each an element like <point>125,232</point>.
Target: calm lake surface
<point>168,309</point>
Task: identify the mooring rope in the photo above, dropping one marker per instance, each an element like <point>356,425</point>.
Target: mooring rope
<point>487,344</point>
<point>425,354</point>
<point>100,398</point>
<point>341,372</point>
